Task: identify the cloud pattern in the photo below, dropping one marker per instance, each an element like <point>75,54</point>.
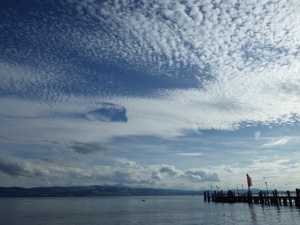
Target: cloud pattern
<point>94,71</point>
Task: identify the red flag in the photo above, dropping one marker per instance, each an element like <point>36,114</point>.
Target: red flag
<point>249,181</point>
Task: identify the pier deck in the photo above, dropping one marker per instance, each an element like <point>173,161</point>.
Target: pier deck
<point>274,198</point>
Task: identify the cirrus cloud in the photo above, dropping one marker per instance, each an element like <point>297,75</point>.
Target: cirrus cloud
<point>275,143</point>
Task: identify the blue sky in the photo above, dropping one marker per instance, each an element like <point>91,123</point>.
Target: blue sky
<point>164,94</point>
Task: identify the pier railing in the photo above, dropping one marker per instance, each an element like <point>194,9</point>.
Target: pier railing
<point>262,197</point>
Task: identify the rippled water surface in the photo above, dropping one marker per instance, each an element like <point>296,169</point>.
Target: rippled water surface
<point>179,210</point>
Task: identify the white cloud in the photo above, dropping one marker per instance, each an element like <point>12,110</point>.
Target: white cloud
<point>198,175</point>
<point>232,35</point>
<point>189,154</point>
<point>124,172</point>
<point>275,143</point>
<point>19,77</point>
<point>277,170</point>
<point>167,115</point>
<point>250,53</point>
<point>257,134</point>
<point>169,170</point>
<point>127,163</point>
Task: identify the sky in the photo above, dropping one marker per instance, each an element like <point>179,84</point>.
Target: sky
<point>180,94</point>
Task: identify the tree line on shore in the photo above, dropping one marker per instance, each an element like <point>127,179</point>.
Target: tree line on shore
<point>88,191</point>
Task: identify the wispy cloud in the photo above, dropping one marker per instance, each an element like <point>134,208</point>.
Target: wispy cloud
<point>89,148</point>
<point>257,134</point>
<point>189,154</point>
<point>275,143</point>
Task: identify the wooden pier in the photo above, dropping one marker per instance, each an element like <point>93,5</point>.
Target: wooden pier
<point>264,198</point>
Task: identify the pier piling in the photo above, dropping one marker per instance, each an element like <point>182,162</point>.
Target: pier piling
<point>297,200</point>
<point>261,197</point>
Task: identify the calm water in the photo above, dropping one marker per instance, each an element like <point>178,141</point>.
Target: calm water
<point>177,210</point>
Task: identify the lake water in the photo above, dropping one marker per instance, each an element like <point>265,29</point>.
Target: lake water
<point>177,210</point>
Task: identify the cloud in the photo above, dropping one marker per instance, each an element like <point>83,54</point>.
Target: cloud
<point>131,173</point>
<point>180,35</point>
<point>89,148</point>
<point>190,154</point>
<point>275,143</point>
<point>272,167</point>
<point>4,138</point>
<point>230,169</point>
<point>291,87</point>
<point>17,168</point>
<point>12,168</point>
<point>53,160</point>
<point>238,72</point>
<point>193,175</point>
<point>124,172</point>
<point>108,112</point>
<point>126,163</point>
<point>196,175</point>
<point>156,176</point>
<point>169,170</point>
<point>130,68</point>
<point>257,134</point>
<point>182,32</point>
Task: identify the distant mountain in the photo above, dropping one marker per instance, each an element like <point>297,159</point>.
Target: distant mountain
<point>87,191</point>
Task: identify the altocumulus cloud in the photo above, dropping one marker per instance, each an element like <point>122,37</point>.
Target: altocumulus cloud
<point>91,70</point>
<point>172,30</point>
<point>234,49</point>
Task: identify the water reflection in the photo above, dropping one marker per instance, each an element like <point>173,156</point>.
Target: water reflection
<point>179,210</point>
<point>253,214</point>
